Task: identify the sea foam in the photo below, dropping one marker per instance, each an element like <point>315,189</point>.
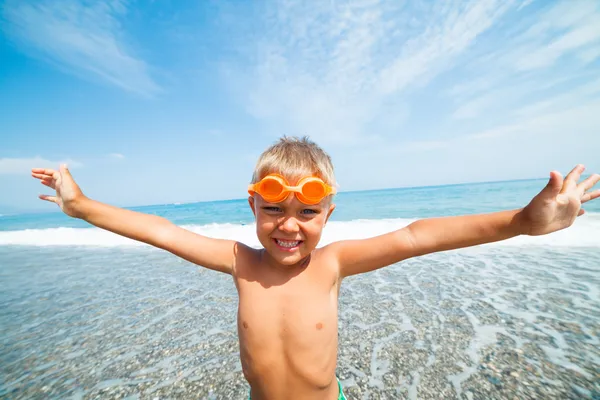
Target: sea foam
<point>584,233</point>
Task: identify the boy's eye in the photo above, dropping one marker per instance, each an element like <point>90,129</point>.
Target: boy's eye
<point>272,208</point>
<point>308,211</point>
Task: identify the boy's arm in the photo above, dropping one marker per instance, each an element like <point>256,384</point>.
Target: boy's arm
<point>423,237</point>
<point>554,208</point>
<point>211,253</point>
<point>215,254</point>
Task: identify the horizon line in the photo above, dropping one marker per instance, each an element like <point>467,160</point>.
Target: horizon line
<point>40,211</point>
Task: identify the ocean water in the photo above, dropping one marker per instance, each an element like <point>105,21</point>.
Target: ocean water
<point>87,314</point>
<point>357,214</point>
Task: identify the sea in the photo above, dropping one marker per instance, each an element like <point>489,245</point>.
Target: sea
<point>86,314</point>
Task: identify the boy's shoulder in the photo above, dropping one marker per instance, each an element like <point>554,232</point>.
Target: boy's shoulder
<point>333,249</point>
<point>328,255</point>
<point>243,253</point>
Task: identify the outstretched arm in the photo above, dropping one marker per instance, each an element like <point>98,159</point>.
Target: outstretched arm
<point>554,208</point>
<point>211,253</point>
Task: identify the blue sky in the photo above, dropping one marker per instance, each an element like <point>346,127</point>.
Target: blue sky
<point>172,101</point>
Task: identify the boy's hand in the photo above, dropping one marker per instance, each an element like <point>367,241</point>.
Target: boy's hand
<point>68,194</point>
<point>559,203</point>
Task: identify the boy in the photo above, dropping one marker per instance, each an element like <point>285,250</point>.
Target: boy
<point>288,290</point>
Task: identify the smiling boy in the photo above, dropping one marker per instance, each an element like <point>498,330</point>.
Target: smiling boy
<point>288,290</point>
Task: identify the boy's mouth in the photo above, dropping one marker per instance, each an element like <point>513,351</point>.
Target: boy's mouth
<point>287,245</point>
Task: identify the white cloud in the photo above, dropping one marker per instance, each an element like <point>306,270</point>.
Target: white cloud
<point>572,123</point>
<point>582,35</point>
<point>582,95</point>
<point>474,107</point>
<point>470,87</point>
<point>83,38</point>
<point>21,166</point>
<point>336,71</point>
<point>427,53</point>
<point>541,38</point>
<point>117,156</point>
<point>589,54</point>
<point>524,4</point>
<point>534,67</point>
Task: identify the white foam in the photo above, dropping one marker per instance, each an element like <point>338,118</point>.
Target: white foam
<point>584,233</point>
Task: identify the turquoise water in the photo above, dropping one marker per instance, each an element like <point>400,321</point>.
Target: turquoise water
<point>421,202</point>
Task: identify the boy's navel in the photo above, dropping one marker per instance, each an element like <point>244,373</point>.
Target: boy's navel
<point>245,325</point>
<point>319,326</point>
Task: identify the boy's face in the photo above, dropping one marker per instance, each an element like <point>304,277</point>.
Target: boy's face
<point>290,230</point>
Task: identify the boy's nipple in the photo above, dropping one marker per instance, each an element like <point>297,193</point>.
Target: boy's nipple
<point>319,326</point>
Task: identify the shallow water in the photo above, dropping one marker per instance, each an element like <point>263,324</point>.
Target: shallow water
<point>495,322</point>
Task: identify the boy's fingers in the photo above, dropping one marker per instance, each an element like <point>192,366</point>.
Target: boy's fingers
<point>48,183</point>
<point>581,212</point>
<point>64,170</point>
<point>572,178</point>
<point>41,176</point>
<point>46,197</point>
<point>555,183</point>
<point>590,196</point>
<point>588,183</point>
<point>44,171</point>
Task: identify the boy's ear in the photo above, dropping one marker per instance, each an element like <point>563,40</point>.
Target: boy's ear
<point>251,203</point>
<point>331,208</point>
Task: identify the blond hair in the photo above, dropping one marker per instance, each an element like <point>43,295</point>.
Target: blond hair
<point>294,158</point>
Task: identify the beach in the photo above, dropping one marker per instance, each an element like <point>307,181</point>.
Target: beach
<point>491,323</point>
<point>88,315</point>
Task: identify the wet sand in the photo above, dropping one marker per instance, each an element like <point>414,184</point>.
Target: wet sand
<point>123,323</point>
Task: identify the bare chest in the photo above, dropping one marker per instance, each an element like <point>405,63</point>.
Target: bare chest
<point>290,328</point>
<point>290,315</point>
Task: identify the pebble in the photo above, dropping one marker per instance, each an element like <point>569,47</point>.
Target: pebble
<point>384,344</point>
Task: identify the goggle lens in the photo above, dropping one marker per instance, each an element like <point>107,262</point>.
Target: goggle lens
<point>274,188</point>
<point>313,190</point>
<point>271,188</point>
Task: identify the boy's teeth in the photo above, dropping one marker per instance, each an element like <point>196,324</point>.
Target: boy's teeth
<point>287,243</point>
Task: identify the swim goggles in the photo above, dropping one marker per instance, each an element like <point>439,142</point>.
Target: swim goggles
<point>274,189</point>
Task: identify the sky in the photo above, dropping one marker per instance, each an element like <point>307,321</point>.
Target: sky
<point>155,102</point>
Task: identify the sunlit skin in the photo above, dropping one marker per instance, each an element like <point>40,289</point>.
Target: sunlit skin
<point>287,316</point>
<point>288,297</point>
<point>289,220</point>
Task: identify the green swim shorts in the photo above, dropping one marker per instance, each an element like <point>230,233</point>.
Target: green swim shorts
<point>340,397</point>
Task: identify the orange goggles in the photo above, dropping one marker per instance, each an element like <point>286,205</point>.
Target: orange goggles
<point>274,189</point>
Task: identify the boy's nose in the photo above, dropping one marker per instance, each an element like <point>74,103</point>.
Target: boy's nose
<point>289,225</point>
